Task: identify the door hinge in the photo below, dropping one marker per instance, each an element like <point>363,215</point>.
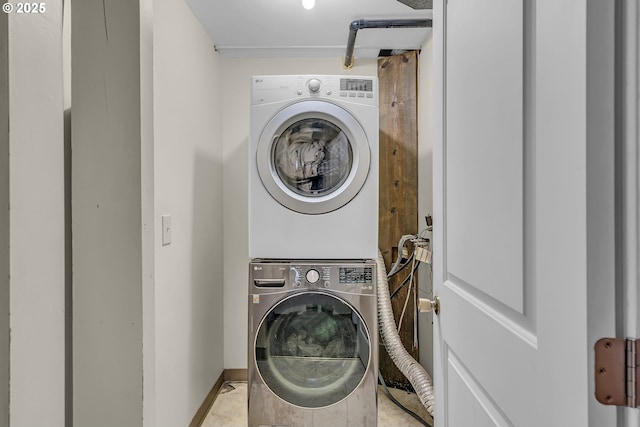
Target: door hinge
<point>616,372</point>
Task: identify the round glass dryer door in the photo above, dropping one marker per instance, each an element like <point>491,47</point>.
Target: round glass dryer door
<point>312,350</point>
<point>313,157</point>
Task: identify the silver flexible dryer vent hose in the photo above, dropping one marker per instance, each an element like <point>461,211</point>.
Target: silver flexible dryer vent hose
<point>411,369</point>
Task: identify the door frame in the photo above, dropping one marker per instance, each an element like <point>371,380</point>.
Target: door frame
<point>628,179</point>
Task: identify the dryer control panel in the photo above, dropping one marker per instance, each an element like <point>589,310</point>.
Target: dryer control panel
<point>349,277</point>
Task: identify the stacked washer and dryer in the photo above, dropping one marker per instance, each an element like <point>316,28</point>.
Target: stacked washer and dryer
<point>313,227</point>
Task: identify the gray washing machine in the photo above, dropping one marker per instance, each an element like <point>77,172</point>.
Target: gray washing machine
<point>313,340</point>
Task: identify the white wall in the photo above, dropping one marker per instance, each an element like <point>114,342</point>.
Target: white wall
<point>66,86</point>
<point>188,103</point>
<point>111,105</point>
<point>236,76</point>
<point>236,94</point>
<point>4,221</point>
<point>147,141</point>
<point>36,217</point>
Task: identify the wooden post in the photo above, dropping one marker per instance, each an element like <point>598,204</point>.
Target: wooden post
<point>398,208</point>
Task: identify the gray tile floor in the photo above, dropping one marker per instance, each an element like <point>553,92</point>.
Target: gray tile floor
<point>230,408</point>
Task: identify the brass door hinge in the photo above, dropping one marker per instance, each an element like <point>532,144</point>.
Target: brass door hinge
<point>616,372</point>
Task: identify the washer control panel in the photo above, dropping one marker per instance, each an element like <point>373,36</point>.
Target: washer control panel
<point>353,89</point>
<point>350,277</point>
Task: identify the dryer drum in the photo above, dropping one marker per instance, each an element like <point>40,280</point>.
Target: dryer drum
<point>313,157</point>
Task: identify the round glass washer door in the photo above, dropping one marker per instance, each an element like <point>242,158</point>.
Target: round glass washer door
<point>312,349</point>
<point>313,157</point>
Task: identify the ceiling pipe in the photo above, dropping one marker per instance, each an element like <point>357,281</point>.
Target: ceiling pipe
<point>360,24</point>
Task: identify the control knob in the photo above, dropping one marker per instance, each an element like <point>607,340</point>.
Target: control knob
<point>313,85</point>
<point>313,276</point>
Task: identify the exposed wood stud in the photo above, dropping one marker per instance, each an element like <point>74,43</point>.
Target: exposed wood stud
<point>398,211</point>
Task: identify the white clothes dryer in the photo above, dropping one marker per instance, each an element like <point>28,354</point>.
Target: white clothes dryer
<point>313,167</point>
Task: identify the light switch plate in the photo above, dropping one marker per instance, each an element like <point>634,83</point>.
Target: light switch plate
<point>166,229</point>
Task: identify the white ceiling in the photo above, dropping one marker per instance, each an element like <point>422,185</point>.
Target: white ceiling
<point>283,28</point>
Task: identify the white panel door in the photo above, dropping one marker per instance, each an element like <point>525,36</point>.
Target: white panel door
<point>523,175</point>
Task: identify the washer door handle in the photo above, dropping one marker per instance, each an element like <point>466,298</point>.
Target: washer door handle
<point>269,283</point>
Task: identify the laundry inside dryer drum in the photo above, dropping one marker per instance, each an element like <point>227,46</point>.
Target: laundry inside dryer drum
<point>315,350</point>
<point>313,157</point>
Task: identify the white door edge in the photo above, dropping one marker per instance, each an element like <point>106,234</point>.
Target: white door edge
<point>629,104</point>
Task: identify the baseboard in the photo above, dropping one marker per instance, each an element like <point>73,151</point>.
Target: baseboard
<point>235,374</point>
<point>226,375</point>
<point>202,412</point>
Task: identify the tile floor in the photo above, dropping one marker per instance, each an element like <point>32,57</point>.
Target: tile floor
<point>230,408</point>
